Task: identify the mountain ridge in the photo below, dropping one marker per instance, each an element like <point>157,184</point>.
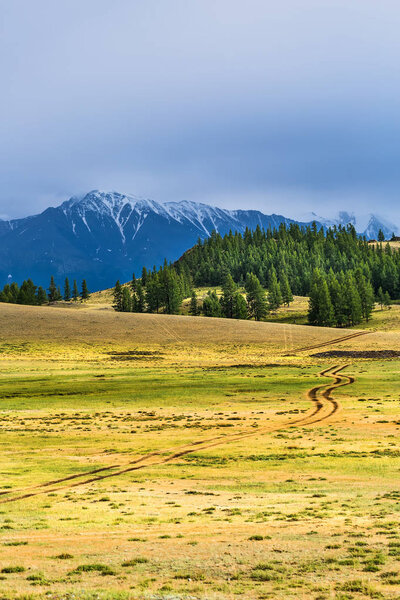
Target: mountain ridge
<point>104,236</point>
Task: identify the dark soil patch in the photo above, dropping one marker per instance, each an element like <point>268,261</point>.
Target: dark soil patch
<point>358,354</point>
<point>135,355</point>
<point>243,366</point>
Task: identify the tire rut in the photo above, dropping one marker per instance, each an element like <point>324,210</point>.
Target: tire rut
<point>324,407</point>
<point>331,342</point>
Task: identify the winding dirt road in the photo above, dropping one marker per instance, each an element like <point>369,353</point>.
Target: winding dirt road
<point>324,406</point>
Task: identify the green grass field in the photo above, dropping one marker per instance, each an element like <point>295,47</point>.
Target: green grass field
<point>147,456</point>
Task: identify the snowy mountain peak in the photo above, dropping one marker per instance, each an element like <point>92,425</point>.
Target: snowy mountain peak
<point>129,212</point>
<point>106,235</point>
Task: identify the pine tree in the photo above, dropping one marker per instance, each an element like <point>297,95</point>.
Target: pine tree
<point>144,277</point>
<point>287,296</point>
<point>126,302</point>
<point>386,299</point>
<point>75,293</point>
<point>255,296</point>
<point>14,291</point>
<point>337,295</point>
<point>58,294</point>
<point>381,236</point>
<point>366,293</point>
<point>228,296</point>
<point>194,308</point>
<point>320,309</point>
<point>117,297</point>
<point>5,294</point>
<point>381,297</point>
<point>211,305</point>
<point>67,290</point>
<point>139,303</point>
<point>52,290</point>
<point>153,293</point>
<point>41,296</point>
<point>133,283</point>
<point>274,292</point>
<point>353,306</point>
<point>172,292</point>
<point>27,293</point>
<point>85,292</point>
<point>239,307</point>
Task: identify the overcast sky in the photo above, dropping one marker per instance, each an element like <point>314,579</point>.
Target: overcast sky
<point>286,106</point>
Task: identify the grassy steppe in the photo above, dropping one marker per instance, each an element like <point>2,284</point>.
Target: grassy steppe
<point>96,503</point>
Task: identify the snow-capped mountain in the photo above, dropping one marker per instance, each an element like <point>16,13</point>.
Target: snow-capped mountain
<point>365,224</point>
<point>104,236</point>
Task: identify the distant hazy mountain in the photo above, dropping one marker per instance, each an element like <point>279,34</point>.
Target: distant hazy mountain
<point>105,236</point>
<point>367,224</point>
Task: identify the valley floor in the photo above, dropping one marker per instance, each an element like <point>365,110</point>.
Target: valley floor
<point>156,456</point>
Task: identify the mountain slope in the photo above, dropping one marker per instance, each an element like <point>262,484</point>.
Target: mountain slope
<point>106,235</point>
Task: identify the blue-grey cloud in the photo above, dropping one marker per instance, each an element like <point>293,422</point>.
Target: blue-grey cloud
<point>286,107</point>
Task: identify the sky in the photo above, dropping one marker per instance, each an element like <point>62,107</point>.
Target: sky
<point>287,107</point>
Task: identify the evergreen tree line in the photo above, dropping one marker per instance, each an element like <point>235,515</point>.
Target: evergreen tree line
<point>159,290</point>
<point>29,293</point>
<point>292,253</point>
<point>164,290</point>
<point>342,274</point>
<point>256,303</point>
<point>342,300</point>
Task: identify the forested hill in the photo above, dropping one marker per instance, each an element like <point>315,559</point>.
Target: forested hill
<point>293,252</point>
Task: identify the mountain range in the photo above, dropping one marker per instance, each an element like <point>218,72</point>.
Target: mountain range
<point>104,236</point>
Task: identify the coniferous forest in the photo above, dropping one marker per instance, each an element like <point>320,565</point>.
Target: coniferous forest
<point>29,293</point>
<point>342,274</point>
<point>259,271</point>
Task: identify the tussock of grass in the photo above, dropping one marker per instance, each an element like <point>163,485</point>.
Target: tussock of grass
<point>138,560</point>
<point>13,569</point>
<point>94,568</point>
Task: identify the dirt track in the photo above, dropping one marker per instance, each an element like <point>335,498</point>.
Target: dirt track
<point>323,407</point>
<point>330,342</point>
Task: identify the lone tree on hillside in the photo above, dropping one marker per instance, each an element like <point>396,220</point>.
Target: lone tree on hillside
<point>381,236</point>
<point>85,292</point>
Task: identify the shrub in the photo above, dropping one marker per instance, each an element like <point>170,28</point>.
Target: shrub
<point>15,569</point>
<point>99,568</point>
<point>134,561</point>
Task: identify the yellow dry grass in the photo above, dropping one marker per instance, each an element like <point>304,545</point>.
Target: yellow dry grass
<point>196,457</point>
